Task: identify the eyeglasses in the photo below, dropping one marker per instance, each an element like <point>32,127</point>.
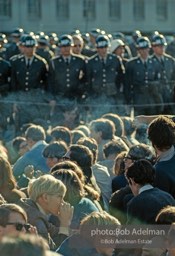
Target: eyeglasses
<point>19,226</point>
<point>128,157</point>
<point>75,45</point>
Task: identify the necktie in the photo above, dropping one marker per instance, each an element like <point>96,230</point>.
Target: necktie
<point>162,61</point>
<point>67,61</point>
<point>145,64</point>
<point>28,63</point>
<point>103,62</point>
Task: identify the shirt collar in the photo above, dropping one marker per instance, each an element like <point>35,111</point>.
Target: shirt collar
<point>41,209</point>
<point>37,144</point>
<point>145,187</point>
<point>167,155</point>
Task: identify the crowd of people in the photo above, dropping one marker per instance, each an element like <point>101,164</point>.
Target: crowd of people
<point>87,143</point>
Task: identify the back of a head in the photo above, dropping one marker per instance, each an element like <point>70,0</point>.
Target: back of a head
<point>97,219</point>
<point>83,157</point>
<point>116,119</point>
<point>105,126</point>
<point>81,154</point>
<point>69,165</point>
<point>142,172</point>
<point>25,244</point>
<point>91,144</point>
<point>128,125</point>
<point>141,151</point>
<point>161,132</point>
<point>17,141</point>
<point>76,135</point>
<point>55,149</point>
<point>84,129</point>
<point>166,216</point>
<point>73,184</point>
<point>35,132</point>
<point>61,133</point>
<point>112,147</point>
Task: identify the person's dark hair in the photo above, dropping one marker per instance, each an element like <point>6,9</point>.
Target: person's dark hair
<point>112,147</point>
<point>84,129</point>
<point>23,244</point>
<point>61,133</point>
<point>141,171</point>
<point>35,132</point>
<point>6,209</point>
<point>141,151</point>
<point>116,119</point>
<point>119,170</point>
<point>166,216</point>
<point>70,165</point>
<point>83,157</point>
<point>16,142</point>
<point>75,190</point>
<point>55,149</point>
<point>161,132</point>
<point>91,144</point>
<point>118,203</point>
<point>76,135</point>
<point>128,125</point>
<point>7,178</point>
<point>105,126</point>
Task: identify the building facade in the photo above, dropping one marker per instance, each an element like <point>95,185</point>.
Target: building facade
<point>63,16</point>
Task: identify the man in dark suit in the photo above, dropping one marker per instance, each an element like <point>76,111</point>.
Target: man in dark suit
<point>161,135</point>
<point>148,200</point>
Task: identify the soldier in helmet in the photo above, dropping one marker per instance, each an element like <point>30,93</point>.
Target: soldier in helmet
<point>43,48</point>
<point>3,42</point>
<point>105,75</point>
<point>166,65</point>
<point>142,76</point>
<point>13,49</point>
<point>67,71</point>
<point>29,78</point>
<point>135,35</point>
<point>53,42</point>
<point>29,71</point>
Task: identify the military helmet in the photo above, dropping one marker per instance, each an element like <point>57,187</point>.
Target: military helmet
<point>95,32</point>
<point>43,39</point>
<point>118,35</point>
<point>159,40</point>
<point>3,38</point>
<point>66,40</point>
<point>17,32</point>
<point>143,42</point>
<point>136,34</point>
<point>28,41</point>
<point>102,41</point>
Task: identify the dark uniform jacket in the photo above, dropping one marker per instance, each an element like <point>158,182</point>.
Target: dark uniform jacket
<point>12,50</point>
<point>67,79</point>
<point>139,76</point>
<point>46,53</point>
<point>5,70</point>
<point>27,78</point>
<point>166,69</point>
<point>104,78</point>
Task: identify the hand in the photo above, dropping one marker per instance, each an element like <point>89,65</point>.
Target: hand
<point>65,215</point>
<point>32,230</point>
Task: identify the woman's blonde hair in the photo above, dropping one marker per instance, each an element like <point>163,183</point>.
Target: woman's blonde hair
<point>46,184</point>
